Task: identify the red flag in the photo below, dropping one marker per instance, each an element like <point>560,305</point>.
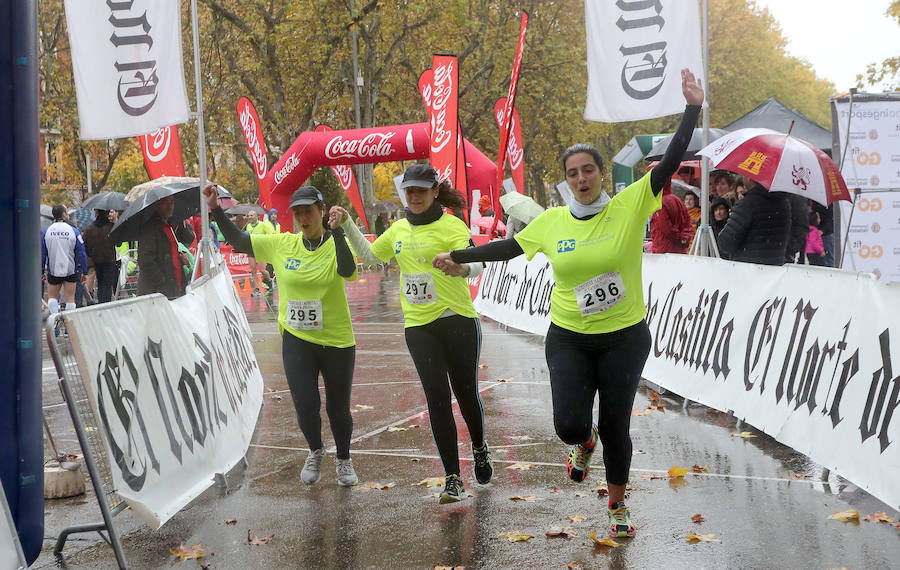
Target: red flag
<point>252,130</point>
<point>162,152</point>
<point>345,177</point>
<point>514,151</point>
<point>507,117</point>
<point>444,116</point>
<point>459,176</point>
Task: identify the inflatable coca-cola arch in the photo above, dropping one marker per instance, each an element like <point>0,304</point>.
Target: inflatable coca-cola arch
<point>357,146</point>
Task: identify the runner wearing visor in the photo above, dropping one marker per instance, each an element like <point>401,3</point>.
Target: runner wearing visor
<point>598,340</point>
<point>313,319</point>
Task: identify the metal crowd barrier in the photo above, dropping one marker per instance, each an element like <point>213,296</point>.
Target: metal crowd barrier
<point>88,430</point>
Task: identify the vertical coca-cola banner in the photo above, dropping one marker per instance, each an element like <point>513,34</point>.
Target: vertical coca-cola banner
<point>460,178</point>
<point>162,152</point>
<point>252,130</point>
<point>345,177</point>
<point>507,117</point>
<point>514,151</point>
<point>444,117</point>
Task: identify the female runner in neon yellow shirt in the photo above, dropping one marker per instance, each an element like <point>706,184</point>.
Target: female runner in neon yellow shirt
<point>313,319</point>
<point>442,329</point>
<point>598,340</point>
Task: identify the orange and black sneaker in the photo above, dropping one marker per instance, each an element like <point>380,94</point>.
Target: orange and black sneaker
<point>619,521</point>
<point>578,464</point>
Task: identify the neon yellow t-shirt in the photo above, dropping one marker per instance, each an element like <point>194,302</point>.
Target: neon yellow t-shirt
<point>312,303</point>
<point>607,247</point>
<point>425,292</point>
<point>261,228</point>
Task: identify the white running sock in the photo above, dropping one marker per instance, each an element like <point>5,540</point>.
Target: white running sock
<point>70,306</point>
<point>54,305</point>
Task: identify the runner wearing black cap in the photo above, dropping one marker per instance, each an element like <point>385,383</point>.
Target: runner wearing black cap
<point>598,340</point>
<point>313,319</point>
<point>442,329</point>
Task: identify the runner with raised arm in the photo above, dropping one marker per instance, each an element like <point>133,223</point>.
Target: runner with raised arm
<point>598,340</point>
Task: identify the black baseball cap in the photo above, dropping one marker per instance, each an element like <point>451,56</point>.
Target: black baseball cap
<point>420,176</point>
<point>305,195</point>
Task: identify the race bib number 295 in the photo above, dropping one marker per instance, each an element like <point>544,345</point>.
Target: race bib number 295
<point>600,293</point>
<point>304,315</point>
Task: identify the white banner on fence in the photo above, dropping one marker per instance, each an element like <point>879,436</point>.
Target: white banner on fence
<point>873,239</point>
<point>872,160</point>
<point>127,64</point>
<point>176,387</point>
<point>635,54</point>
<point>802,353</point>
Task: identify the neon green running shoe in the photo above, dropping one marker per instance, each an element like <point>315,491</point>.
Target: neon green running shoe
<point>453,490</point>
<point>620,522</point>
<point>578,464</point>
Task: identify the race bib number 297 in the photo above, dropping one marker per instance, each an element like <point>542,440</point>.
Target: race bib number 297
<point>418,288</point>
<point>600,293</point>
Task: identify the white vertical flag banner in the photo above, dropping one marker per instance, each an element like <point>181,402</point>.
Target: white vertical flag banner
<point>127,62</point>
<point>635,53</point>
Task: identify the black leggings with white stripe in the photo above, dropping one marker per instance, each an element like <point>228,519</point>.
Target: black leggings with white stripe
<point>583,366</point>
<point>445,352</point>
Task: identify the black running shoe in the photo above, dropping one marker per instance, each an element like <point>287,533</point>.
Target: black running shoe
<point>453,490</point>
<point>484,470</point>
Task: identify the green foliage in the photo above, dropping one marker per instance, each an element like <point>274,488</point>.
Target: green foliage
<point>888,71</point>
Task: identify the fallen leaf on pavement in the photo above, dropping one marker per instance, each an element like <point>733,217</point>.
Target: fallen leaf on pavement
<point>230,521</point>
<point>521,466</point>
<point>529,498</point>
<point>554,490</point>
<point>677,471</point>
<point>638,452</point>
<point>798,476</point>
<point>449,568</point>
<point>698,518</point>
<point>370,486</point>
<point>702,538</point>
<point>521,437</point>
<point>604,542</point>
<point>897,526</point>
<point>397,428</point>
<point>510,379</point>
<point>275,397</point>
<point>255,540</point>
<point>652,476</point>
<point>601,492</point>
<point>432,482</point>
<point>743,434</point>
<point>361,407</point>
<point>515,536</point>
<point>559,532</point>
<point>482,366</point>
<point>575,518</point>
<point>698,469</point>
<point>881,517</point>
<point>642,412</point>
<point>845,516</point>
<point>269,389</point>
<point>193,553</point>
<point>652,396</point>
<point>575,566</point>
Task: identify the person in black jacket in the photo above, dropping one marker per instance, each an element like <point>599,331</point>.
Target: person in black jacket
<point>759,227</point>
<point>799,228</point>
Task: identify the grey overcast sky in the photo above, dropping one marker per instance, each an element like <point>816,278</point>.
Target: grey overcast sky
<point>838,37</point>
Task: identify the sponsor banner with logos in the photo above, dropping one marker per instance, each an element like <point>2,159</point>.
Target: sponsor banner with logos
<point>871,130</point>
<point>176,388</point>
<point>635,51</point>
<point>127,66</point>
<point>238,263</point>
<point>514,150</point>
<point>253,135</point>
<point>803,353</point>
<point>443,114</point>
<point>873,236</point>
<point>162,152</point>
<point>347,180</point>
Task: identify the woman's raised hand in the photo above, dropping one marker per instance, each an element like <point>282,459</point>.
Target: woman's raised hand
<point>211,195</point>
<point>336,216</point>
<point>692,87</point>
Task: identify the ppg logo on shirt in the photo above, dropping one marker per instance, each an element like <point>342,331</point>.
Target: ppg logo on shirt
<point>292,264</point>
<point>565,245</point>
<point>398,245</point>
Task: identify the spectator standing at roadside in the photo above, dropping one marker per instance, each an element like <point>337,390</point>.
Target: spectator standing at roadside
<point>826,226</point>
<point>720,211</point>
<point>671,228</point>
<point>63,259</point>
<point>273,221</point>
<point>815,248</point>
<point>799,228</point>
<point>758,228</point>
<point>160,265</point>
<point>721,186</point>
<point>101,251</point>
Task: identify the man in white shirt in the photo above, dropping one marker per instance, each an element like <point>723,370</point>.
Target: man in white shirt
<point>63,259</point>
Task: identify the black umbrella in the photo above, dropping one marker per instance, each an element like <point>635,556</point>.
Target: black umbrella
<point>245,209</point>
<point>696,144</point>
<point>81,218</point>
<point>46,216</point>
<point>187,204</point>
<point>106,201</point>
<point>385,207</point>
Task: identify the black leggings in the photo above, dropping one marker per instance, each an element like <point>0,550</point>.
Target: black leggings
<point>581,365</point>
<point>302,363</point>
<point>449,346</point>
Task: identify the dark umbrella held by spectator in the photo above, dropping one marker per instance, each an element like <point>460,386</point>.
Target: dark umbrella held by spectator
<point>187,203</point>
<point>106,201</point>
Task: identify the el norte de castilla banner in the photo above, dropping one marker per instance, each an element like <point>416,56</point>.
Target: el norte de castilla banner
<point>176,389</point>
<point>804,354</point>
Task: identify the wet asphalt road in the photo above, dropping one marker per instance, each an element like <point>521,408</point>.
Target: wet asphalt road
<point>751,501</point>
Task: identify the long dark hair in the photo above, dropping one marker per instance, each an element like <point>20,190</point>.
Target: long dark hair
<point>450,197</point>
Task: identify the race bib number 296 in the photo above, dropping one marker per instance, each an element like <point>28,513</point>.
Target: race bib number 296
<point>600,293</point>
